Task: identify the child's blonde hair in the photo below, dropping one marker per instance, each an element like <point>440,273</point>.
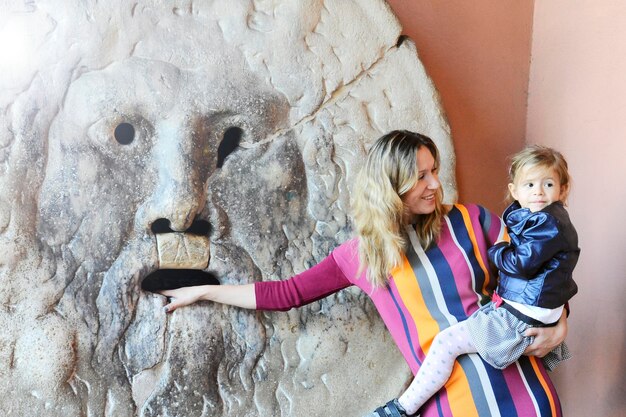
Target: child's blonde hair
<point>543,157</point>
<point>379,214</point>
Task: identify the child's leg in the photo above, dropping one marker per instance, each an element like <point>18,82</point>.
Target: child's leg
<point>437,366</point>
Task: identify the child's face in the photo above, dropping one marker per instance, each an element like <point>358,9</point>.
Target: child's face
<point>537,187</point>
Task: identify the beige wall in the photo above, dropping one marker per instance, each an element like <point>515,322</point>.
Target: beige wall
<point>478,55</point>
<point>577,103</point>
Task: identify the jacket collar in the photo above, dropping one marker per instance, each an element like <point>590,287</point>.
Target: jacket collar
<point>515,216</point>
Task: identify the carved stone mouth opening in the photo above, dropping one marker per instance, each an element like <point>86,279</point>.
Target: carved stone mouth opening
<point>182,257</point>
<point>170,279</point>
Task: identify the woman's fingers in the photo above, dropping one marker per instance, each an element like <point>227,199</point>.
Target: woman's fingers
<point>167,293</point>
<point>171,305</point>
<point>180,297</point>
<point>546,338</point>
<point>537,347</point>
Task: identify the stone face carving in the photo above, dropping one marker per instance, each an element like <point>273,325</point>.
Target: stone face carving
<point>182,251</point>
<point>112,117</point>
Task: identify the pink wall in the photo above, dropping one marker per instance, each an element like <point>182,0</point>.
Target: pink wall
<point>478,54</point>
<point>577,103</point>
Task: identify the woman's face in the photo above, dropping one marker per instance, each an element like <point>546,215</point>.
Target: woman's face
<point>421,199</point>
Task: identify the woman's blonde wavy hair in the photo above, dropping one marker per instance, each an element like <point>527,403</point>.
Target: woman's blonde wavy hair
<point>379,214</point>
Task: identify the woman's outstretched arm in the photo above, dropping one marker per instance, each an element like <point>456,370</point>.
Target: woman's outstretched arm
<point>311,285</point>
<point>235,295</point>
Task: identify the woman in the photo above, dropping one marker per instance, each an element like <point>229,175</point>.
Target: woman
<point>425,267</point>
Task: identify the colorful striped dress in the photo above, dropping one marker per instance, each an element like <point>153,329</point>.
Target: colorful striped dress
<point>430,291</point>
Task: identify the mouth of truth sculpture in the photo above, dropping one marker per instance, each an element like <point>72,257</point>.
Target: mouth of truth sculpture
<point>215,139</point>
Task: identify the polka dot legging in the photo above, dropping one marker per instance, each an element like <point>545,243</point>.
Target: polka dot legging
<point>437,366</point>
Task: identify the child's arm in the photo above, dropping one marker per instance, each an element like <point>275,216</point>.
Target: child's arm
<point>537,244</point>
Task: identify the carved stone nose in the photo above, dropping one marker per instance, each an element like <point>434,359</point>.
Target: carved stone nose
<point>179,210</point>
<point>180,157</point>
<point>198,227</point>
<point>179,219</point>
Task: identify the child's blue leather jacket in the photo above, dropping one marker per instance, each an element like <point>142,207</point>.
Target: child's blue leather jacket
<point>536,266</point>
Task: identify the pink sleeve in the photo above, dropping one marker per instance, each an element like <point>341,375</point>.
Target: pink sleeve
<point>313,284</point>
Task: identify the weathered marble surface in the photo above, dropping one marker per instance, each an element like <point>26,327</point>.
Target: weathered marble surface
<point>310,83</point>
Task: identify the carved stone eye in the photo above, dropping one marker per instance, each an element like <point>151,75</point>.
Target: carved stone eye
<point>124,133</point>
<point>230,142</point>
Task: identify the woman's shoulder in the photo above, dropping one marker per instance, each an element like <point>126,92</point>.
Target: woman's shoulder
<point>349,245</point>
<point>346,256</point>
<point>463,205</point>
<point>477,219</point>
<point>471,210</point>
<point>346,252</point>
